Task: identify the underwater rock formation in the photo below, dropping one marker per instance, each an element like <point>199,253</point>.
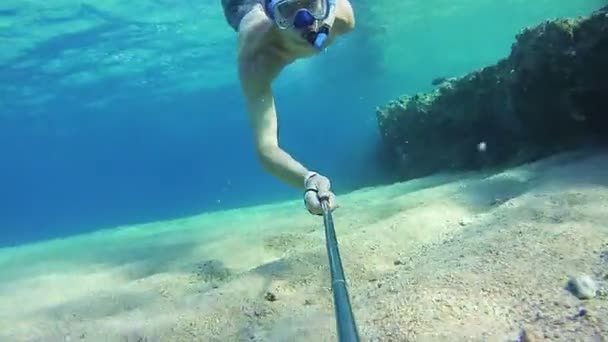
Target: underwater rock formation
<point>549,94</point>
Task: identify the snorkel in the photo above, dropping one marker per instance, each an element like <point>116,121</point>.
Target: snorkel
<point>305,20</point>
<point>317,37</point>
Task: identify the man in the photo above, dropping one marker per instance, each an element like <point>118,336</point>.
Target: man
<point>271,35</point>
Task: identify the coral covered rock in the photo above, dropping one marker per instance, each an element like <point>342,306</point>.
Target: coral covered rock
<point>549,94</point>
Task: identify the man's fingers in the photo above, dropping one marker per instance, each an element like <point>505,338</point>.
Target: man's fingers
<point>330,199</point>
<point>332,202</point>
<point>314,199</point>
<point>312,203</point>
<point>324,195</point>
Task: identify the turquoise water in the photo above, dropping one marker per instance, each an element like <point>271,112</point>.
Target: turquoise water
<point>118,112</point>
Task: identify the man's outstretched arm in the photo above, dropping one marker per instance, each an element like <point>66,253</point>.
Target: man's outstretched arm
<point>263,118</point>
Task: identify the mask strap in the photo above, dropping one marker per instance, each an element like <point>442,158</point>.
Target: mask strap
<point>270,4</point>
<point>331,15</point>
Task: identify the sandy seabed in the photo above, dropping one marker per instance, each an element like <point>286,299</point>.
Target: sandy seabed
<point>467,257</point>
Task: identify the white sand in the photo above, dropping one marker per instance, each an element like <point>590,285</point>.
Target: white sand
<point>481,257</point>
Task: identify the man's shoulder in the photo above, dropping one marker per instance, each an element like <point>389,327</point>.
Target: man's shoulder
<point>253,33</point>
<point>254,23</point>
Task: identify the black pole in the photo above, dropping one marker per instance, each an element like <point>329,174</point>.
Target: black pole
<point>345,321</point>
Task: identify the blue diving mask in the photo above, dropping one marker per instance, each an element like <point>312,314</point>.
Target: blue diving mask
<point>302,15</point>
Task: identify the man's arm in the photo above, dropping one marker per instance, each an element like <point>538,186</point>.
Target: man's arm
<point>259,101</point>
<point>345,17</point>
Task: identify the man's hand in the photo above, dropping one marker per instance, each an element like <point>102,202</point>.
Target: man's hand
<point>317,188</point>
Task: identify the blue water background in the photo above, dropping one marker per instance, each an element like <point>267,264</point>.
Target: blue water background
<point>69,167</point>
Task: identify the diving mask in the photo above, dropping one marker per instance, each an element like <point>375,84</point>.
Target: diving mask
<point>302,15</point>
<point>299,14</point>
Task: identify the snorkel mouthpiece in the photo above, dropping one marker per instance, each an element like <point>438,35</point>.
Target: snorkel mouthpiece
<point>303,19</point>
<point>317,38</point>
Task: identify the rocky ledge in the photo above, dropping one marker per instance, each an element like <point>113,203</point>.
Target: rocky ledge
<point>548,95</point>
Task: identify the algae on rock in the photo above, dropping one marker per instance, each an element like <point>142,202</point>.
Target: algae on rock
<point>549,94</point>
